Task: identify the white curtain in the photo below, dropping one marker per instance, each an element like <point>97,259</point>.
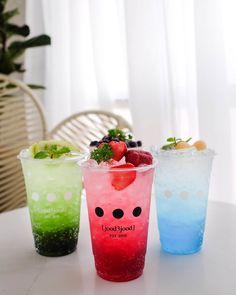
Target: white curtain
<point>86,65</point>
<point>180,56</point>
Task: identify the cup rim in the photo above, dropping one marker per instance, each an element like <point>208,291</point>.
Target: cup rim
<point>182,153</point>
<point>76,157</point>
<point>109,169</point>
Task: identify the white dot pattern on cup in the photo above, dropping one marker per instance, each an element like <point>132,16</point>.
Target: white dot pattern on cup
<point>184,195</point>
<point>168,194</point>
<point>200,194</point>
<point>68,196</point>
<point>35,196</point>
<point>51,197</point>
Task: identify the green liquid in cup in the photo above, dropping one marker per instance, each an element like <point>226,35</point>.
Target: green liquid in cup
<point>54,196</point>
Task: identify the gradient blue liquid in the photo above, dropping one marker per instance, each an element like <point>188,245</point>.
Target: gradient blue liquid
<point>181,184</point>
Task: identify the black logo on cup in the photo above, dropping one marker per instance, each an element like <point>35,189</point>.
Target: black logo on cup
<point>118,213</point>
<point>99,211</point>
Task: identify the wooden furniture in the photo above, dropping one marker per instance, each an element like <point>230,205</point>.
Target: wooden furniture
<point>22,122</point>
<point>84,127</point>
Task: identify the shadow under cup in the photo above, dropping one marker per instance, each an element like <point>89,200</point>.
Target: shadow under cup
<point>181,185</point>
<point>53,195</point>
<point>118,219</point>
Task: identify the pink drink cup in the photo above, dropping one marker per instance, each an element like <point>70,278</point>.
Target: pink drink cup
<point>118,220</point>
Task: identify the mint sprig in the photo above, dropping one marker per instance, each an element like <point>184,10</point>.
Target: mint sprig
<point>41,155</point>
<point>52,151</point>
<point>102,154</point>
<point>117,133</point>
<point>172,142</point>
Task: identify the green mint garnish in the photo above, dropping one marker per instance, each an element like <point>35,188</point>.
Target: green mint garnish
<point>52,151</point>
<point>117,133</point>
<point>102,154</point>
<point>41,155</point>
<point>130,136</point>
<point>63,150</point>
<point>172,142</point>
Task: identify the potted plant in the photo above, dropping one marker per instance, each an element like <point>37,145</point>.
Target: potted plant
<point>21,118</point>
<point>10,48</point>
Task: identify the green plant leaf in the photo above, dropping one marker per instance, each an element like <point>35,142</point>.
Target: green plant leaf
<point>64,150</point>
<point>13,29</point>
<point>16,53</point>
<point>171,139</point>
<point>102,154</point>
<point>2,7</point>
<point>41,40</point>
<point>17,48</point>
<point>9,14</point>
<point>41,155</point>
<point>34,86</point>
<point>18,67</point>
<point>6,64</point>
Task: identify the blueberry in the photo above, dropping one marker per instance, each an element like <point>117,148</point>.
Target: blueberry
<point>115,139</point>
<point>132,144</point>
<point>93,143</point>
<point>106,140</point>
<point>139,143</point>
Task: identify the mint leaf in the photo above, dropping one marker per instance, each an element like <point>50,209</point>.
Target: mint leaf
<point>117,133</point>
<point>172,142</point>
<point>130,136</point>
<point>102,154</point>
<point>53,147</point>
<point>168,146</point>
<point>171,139</point>
<point>41,155</point>
<point>63,150</point>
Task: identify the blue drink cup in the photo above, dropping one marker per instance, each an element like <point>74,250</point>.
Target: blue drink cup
<point>181,186</point>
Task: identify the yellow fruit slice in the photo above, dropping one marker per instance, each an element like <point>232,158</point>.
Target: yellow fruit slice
<point>182,145</point>
<point>200,145</point>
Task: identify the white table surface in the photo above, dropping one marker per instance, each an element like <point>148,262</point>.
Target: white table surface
<point>211,271</point>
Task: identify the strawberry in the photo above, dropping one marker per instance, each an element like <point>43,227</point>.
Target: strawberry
<point>138,157</point>
<point>122,179</point>
<point>119,149</point>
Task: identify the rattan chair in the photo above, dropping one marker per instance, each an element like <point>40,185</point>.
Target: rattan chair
<point>22,122</point>
<point>84,127</point>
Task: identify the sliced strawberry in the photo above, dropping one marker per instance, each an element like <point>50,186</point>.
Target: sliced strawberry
<point>138,157</point>
<point>119,149</point>
<point>122,179</point>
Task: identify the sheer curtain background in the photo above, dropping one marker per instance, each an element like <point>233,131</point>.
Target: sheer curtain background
<point>174,60</point>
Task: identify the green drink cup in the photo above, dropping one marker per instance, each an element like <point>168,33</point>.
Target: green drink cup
<point>53,195</point>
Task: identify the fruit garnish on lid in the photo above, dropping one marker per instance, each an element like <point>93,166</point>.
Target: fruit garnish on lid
<point>102,154</point>
<point>117,135</point>
<point>113,150</point>
<point>138,157</point>
<point>51,149</point>
<point>174,143</point>
<point>200,145</point>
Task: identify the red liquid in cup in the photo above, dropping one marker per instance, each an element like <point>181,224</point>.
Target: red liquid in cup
<point>118,222</point>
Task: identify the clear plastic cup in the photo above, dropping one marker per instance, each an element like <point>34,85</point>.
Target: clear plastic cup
<point>118,219</point>
<point>53,195</point>
<point>181,185</point>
